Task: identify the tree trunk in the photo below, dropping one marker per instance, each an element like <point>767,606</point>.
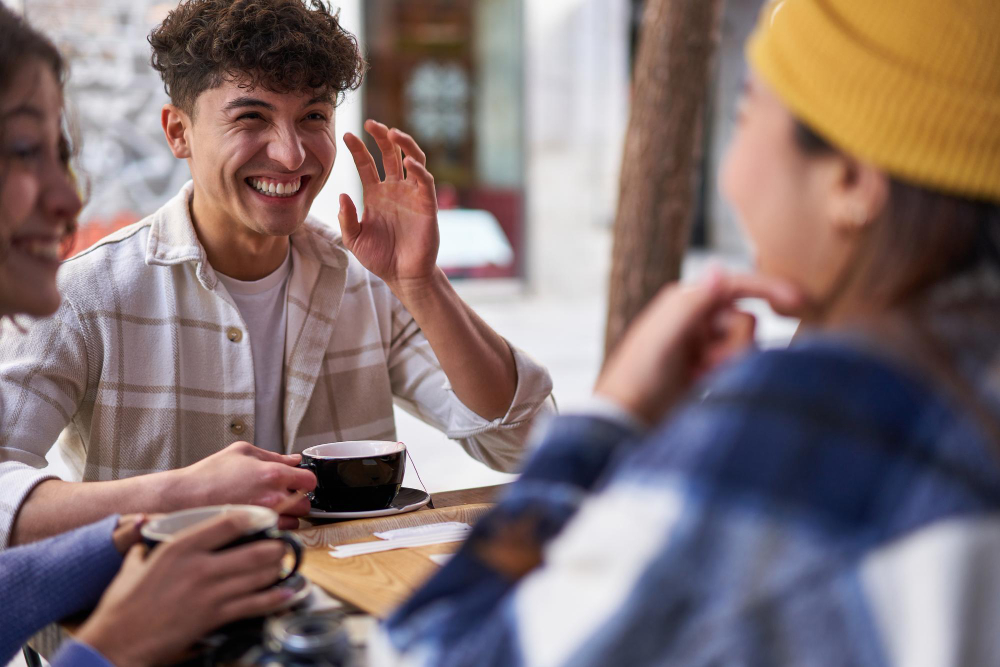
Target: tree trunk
<point>663,153</point>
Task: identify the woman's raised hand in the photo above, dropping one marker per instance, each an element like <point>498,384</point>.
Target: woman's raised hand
<point>686,331</point>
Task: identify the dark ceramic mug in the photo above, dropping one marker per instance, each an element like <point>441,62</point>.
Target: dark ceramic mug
<point>262,525</point>
<point>354,476</point>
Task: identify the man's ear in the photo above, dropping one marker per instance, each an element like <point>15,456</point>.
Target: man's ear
<point>860,194</point>
<point>176,124</point>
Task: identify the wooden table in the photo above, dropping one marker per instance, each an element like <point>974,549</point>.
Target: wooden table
<point>377,583</point>
<point>374,583</point>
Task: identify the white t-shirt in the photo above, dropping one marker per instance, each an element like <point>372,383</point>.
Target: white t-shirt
<point>262,304</point>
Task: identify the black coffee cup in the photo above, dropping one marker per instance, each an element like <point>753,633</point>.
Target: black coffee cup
<point>262,525</point>
<point>355,476</point>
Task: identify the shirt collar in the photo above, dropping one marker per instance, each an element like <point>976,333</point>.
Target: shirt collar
<point>173,240</point>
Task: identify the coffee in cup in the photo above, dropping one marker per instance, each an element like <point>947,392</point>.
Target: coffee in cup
<point>261,522</point>
<point>354,476</point>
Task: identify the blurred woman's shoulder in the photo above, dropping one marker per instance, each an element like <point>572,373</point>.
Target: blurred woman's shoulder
<point>833,429</point>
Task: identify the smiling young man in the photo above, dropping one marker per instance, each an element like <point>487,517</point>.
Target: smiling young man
<point>229,317</point>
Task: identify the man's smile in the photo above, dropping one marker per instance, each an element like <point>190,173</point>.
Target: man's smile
<point>277,188</point>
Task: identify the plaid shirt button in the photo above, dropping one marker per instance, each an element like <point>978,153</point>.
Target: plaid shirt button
<point>234,334</point>
<point>236,427</point>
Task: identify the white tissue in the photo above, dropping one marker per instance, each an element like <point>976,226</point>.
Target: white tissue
<point>430,528</point>
<point>403,538</point>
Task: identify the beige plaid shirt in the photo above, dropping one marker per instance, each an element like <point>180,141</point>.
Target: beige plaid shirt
<point>147,367</point>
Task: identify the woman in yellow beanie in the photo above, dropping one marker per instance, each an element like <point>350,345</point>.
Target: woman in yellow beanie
<point>835,503</point>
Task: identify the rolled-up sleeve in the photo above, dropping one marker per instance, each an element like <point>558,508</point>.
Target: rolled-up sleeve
<point>421,388</point>
<point>43,377</point>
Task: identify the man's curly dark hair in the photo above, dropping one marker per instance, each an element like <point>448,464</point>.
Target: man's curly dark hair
<point>279,45</point>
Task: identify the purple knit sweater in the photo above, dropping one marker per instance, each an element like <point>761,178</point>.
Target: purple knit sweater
<point>46,581</point>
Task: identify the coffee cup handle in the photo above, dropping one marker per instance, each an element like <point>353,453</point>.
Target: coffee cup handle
<point>311,467</point>
<point>296,546</point>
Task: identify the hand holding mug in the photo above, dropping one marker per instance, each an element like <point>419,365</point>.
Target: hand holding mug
<point>246,475</point>
<point>685,332</point>
<point>259,523</point>
<point>159,605</point>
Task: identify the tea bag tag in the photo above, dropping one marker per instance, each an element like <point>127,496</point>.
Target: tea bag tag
<point>430,500</point>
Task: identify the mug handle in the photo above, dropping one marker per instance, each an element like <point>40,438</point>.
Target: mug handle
<point>294,543</point>
<point>311,467</point>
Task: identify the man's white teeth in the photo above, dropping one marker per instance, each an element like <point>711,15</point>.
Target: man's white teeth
<point>275,189</point>
<point>47,250</point>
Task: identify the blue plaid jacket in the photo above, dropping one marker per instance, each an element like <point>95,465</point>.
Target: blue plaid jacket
<point>818,506</point>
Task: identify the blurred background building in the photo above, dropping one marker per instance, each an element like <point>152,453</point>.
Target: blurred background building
<point>522,107</point>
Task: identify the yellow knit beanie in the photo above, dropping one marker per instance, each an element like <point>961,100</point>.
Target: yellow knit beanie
<point>911,86</point>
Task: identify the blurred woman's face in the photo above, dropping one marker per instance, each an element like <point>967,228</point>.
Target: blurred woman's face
<point>786,200</point>
<point>38,201</point>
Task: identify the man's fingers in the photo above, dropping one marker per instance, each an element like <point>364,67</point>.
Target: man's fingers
<point>284,503</point>
<point>275,457</point>
<point>290,478</point>
<point>392,158</point>
<point>409,145</point>
<point>350,227</point>
<point>363,160</point>
<point>293,504</point>
<point>286,522</point>
<point>419,171</point>
<point>266,455</point>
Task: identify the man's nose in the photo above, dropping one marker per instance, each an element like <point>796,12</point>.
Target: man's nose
<point>286,149</point>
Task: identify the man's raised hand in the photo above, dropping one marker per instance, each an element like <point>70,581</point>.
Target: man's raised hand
<point>397,237</point>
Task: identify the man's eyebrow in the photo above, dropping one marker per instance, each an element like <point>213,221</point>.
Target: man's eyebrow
<point>325,98</point>
<point>245,101</point>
